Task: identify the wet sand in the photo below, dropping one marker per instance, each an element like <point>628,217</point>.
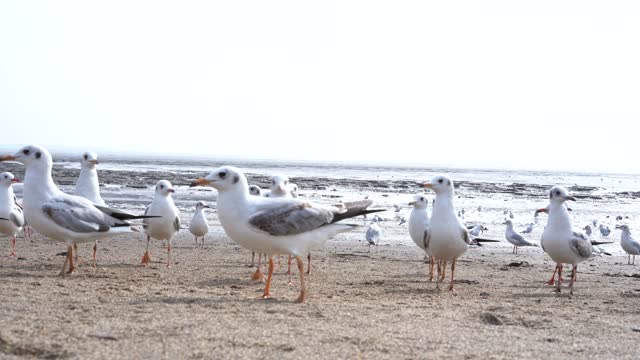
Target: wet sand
<point>362,304</point>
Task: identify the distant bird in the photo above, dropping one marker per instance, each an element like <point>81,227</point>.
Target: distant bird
<point>514,238</point>
<point>396,208</point>
<point>595,223</point>
<point>477,230</point>
<point>88,187</point>
<point>167,224</point>
<point>619,218</point>
<point>10,210</point>
<point>279,187</point>
<point>529,229</point>
<point>604,230</point>
<point>588,230</point>
<point>377,218</point>
<point>373,235</point>
<point>294,190</point>
<point>198,225</point>
<point>255,190</point>
<point>419,226</point>
<point>630,245</point>
<point>402,220</point>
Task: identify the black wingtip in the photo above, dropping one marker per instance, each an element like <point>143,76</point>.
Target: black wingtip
<point>485,240</point>
<point>601,242</point>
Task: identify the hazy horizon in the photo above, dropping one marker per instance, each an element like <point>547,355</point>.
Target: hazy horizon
<point>549,86</point>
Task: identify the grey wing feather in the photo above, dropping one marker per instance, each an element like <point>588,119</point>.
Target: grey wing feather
<point>426,238</point>
<point>145,221</point>
<point>78,215</point>
<point>291,219</point>
<point>17,218</point>
<point>176,224</point>
<point>372,235</point>
<point>465,236</point>
<point>518,239</point>
<point>581,245</point>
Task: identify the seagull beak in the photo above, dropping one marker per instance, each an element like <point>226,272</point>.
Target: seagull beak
<point>15,180</point>
<point>412,203</point>
<point>618,226</point>
<point>171,190</point>
<point>200,182</point>
<point>94,162</point>
<point>570,198</point>
<point>7,158</point>
<point>428,185</point>
<point>207,207</point>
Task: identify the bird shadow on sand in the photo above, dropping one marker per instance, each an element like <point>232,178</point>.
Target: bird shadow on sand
<point>208,301</point>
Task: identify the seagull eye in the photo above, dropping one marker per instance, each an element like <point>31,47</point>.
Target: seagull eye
<point>86,156</point>
<point>222,174</point>
<point>440,181</point>
<point>557,193</point>
<point>161,186</point>
<point>26,151</point>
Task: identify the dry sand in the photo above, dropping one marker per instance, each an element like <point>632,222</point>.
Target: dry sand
<point>362,304</point>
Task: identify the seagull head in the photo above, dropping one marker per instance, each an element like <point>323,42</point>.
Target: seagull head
<point>507,222</point>
<point>280,184</point>
<point>7,178</point>
<point>32,157</point>
<point>293,188</point>
<point>225,178</point>
<point>623,227</point>
<point>420,201</point>
<point>89,160</point>
<point>164,188</point>
<point>255,190</point>
<point>440,184</point>
<point>201,205</point>
<point>559,194</point>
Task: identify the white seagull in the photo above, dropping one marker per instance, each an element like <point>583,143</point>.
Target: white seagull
<point>166,221</point>
<point>630,245</point>
<point>59,216</point>
<point>447,238</point>
<point>89,188</point>
<point>10,210</point>
<point>276,226</point>
<point>373,234</point>
<point>255,190</point>
<point>198,225</point>
<point>559,240</point>
<point>514,238</point>
<point>419,226</point>
<point>279,187</point>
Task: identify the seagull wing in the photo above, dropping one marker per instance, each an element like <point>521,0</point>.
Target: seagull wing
<point>290,218</point>
<point>580,244</point>
<point>79,215</point>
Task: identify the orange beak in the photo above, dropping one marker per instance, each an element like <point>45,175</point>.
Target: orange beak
<point>544,210</point>
<point>428,185</point>
<point>15,180</point>
<point>7,158</point>
<point>200,182</point>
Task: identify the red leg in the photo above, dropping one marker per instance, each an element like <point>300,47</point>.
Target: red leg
<point>146,259</point>
<point>267,287</point>
<point>453,269</point>
<point>95,249</point>
<point>303,290</point>
<point>574,271</point>
<point>72,268</point>
<point>258,275</point>
<point>169,255</point>
<point>558,289</point>
<point>13,248</point>
<point>431,265</point>
<point>309,264</point>
<point>553,280</point>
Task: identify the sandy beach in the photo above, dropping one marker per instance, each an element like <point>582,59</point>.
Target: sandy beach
<point>362,304</point>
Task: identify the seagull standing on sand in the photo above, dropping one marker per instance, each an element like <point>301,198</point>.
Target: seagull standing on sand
<point>476,230</point>
<point>447,238</point>
<point>559,241</point>
<point>604,230</point>
<point>255,190</point>
<point>630,245</point>
<point>514,238</point>
<point>588,230</point>
<point>198,225</point>
<point>276,226</point>
<point>59,216</point>
<point>529,229</point>
<point>166,222</point>
<point>279,187</point>
<point>10,210</point>
<point>294,190</point>
<point>419,226</point>
<point>89,188</point>
<point>373,234</point>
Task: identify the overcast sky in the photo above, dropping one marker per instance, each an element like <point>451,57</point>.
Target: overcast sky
<point>536,84</point>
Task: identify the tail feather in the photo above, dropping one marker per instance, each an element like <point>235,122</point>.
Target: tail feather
<point>355,208</point>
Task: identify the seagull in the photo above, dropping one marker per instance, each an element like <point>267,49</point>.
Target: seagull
<point>558,240</point>
<point>255,190</point>
<point>588,230</point>
<point>477,230</point>
<point>529,229</point>
<point>166,222</point>
<point>402,220</point>
<point>276,226</point>
<point>419,226</point>
<point>89,188</point>
<point>10,210</point>
<point>198,225</point>
<point>447,238</point>
<point>294,190</point>
<point>279,187</point>
<point>373,235</point>
<point>59,216</point>
<point>514,238</point>
<point>396,208</point>
<point>630,245</point>
<point>604,230</point>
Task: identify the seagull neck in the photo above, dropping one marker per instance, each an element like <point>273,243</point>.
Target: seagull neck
<point>559,216</point>
<point>6,195</point>
<point>38,183</point>
<point>444,204</point>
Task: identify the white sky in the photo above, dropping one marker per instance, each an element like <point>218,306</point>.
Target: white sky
<point>536,84</point>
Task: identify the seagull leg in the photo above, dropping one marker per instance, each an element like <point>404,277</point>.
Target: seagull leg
<point>309,264</point>
<point>72,268</point>
<point>453,269</point>
<point>64,265</point>
<point>574,271</point>
<point>169,254</point>
<point>553,280</point>
<point>196,241</point>
<point>75,247</point>
<point>558,289</point>
<point>13,248</point>
<point>258,275</point>
<point>95,249</point>
<point>431,260</point>
<point>444,270</point>
<point>303,291</point>
<point>267,287</point>
<point>290,282</point>
<point>146,259</point>
<point>516,250</point>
